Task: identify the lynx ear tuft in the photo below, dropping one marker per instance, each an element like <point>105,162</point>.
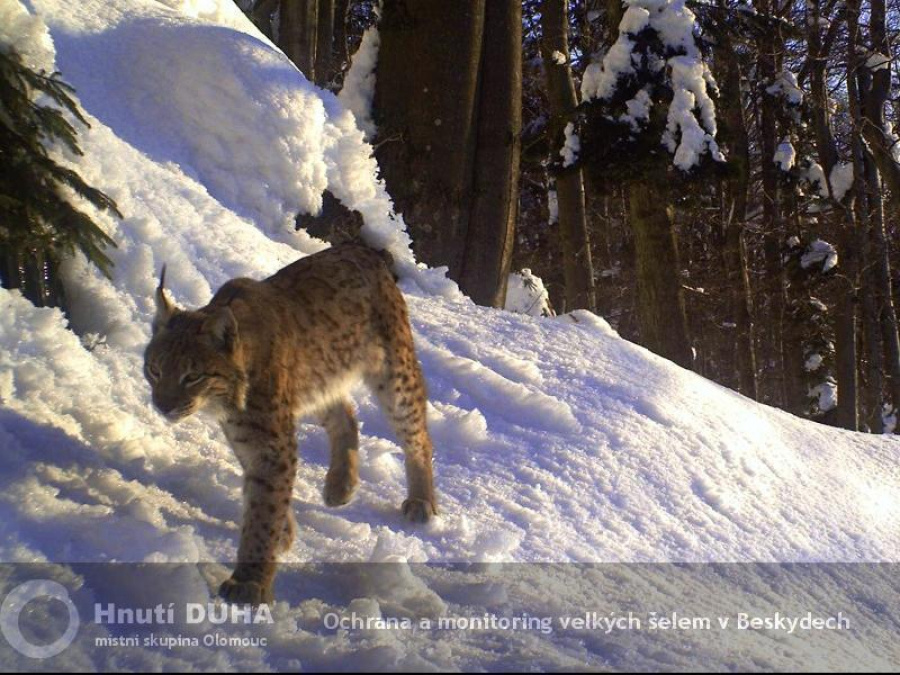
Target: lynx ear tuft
<point>165,309</point>
<point>239,395</point>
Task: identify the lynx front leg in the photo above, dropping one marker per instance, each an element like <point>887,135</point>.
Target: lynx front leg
<point>343,473</point>
<point>267,453</point>
<point>401,391</point>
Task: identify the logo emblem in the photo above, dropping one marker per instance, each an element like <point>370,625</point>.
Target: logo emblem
<point>15,602</point>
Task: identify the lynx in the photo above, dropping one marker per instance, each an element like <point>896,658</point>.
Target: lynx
<point>262,354</point>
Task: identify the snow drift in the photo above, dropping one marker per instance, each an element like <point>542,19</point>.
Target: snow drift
<point>556,440</point>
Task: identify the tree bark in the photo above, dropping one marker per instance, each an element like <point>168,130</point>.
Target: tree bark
<point>846,357</point>
<point>875,99</point>
<point>297,34</point>
<point>872,397</point>
<point>743,349</point>
<point>574,237</point>
<point>845,314</point>
<point>660,297</point>
<point>879,163</point>
<point>490,236</point>
<point>425,101</point>
<point>787,391</point>
<point>261,15</point>
<point>339,40</point>
<point>324,63</point>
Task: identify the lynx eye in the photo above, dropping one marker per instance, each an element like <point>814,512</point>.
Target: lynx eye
<point>153,372</point>
<point>190,379</point>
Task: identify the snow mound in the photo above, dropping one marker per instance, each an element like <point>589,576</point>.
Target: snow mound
<point>526,294</point>
<point>27,35</point>
<point>234,114</point>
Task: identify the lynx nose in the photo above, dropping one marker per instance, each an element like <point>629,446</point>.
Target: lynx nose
<point>166,408</point>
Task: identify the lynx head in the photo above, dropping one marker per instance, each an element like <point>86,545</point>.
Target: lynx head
<point>194,359</point>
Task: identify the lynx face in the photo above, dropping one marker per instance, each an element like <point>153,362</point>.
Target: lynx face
<point>192,361</point>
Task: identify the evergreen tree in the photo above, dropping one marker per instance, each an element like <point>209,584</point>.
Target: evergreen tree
<point>652,92</point>
<point>39,224</point>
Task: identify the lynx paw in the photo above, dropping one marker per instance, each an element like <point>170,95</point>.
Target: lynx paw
<point>339,489</point>
<point>419,510</point>
<point>246,593</point>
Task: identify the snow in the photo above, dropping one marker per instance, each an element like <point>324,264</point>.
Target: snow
<point>634,20</point>
<point>638,110</point>
<point>889,418</point>
<point>687,137</point>
<point>526,294</point>
<point>552,206</point>
<point>825,395</point>
<point>27,35</point>
<point>359,84</point>
<point>878,61</point>
<point>819,252</point>
<point>601,77</point>
<point>786,86</point>
<point>813,362</point>
<point>571,146</point>
<point>813,173</point>
<point>556,440</point>
<point>219,141</point>
<point>785,155</point>
<point>841,178</point>
<point>894,141</point>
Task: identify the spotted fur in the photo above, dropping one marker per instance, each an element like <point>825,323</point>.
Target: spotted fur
<point>262,354</point>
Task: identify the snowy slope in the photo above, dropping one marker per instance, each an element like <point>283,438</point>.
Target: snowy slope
<point>556,441</point>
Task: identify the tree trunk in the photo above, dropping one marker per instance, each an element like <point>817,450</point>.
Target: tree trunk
<point>875,99</point>
<point>871,323</point>
<point>576,248</point>
<point>660,297</point>
<point>324,63</point>
<point>845,330</point>
<point>339,41</point>
<point>297,34</point>
<point>261,15</point>
<point>742,350</point>
<point>872,122</point>
<point>425,101</point>
<point>786,392</point>
<point>882,267</point>
<point>490,236</point>
<point>845,314</point>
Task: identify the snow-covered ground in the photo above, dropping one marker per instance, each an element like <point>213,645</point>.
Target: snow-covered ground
<point>556,440</point>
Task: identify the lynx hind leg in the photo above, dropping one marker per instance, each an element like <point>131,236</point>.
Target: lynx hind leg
<point>343,473</point>
<point>400,388</point>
